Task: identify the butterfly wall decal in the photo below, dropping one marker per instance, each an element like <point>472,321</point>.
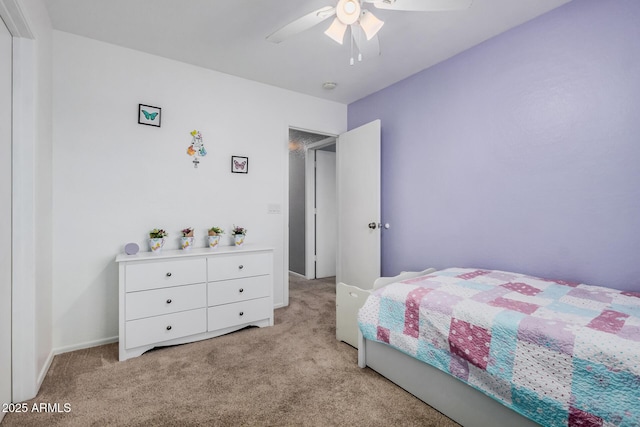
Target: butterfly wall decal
<point>149,116</point>
<point>239,164</point>
<point>196,148</point>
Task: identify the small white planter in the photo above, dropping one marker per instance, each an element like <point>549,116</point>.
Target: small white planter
<point>186,243</point>
<point>156,244</point>
<point>239,238</point>
<point>213,241</point>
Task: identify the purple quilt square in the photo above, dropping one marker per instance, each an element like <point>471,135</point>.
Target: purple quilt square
<point>490,295</point>
<point>630,332</point>
<point>501,275</point>
<point>422,280</point>
<point>552,334</point>
<point>592,295</point>
<point>522,307</point>
<point>440,301</point>
<point>470,342</point>
<point>459,367</point>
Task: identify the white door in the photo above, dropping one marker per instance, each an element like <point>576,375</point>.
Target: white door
<point>326,214</point>
<point>358,164</point>
<point>5,215</point>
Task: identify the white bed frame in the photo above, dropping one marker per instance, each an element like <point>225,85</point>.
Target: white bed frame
<point>454,398</point>
<point>349,299</point>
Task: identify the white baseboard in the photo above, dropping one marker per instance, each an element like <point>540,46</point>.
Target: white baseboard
<point>81,346</point>
<point>44,370</point>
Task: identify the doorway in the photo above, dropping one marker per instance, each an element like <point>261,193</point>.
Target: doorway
<point>312,204</point>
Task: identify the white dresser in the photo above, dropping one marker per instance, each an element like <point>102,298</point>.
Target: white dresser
<point>176,297</point>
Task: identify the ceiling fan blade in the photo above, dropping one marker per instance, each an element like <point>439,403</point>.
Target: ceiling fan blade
<point>368,48</point>
<point>336,30</point>
<point>301,24</point>
<point>422,5</point>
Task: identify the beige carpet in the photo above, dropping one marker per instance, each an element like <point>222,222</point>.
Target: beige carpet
<point>294,373</point>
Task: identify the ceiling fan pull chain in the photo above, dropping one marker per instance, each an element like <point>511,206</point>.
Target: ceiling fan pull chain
<point>351,61</point>
<point>359,44</point>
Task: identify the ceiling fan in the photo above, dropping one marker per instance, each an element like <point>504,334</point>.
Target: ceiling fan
<point>363,24</point>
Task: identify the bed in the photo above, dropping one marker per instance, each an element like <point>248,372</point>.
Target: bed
<point>495,348</point>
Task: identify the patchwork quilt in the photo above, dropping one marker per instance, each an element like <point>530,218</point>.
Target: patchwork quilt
<point>559,353</point>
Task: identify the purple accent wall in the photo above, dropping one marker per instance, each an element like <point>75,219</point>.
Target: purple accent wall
<point>521,154</point>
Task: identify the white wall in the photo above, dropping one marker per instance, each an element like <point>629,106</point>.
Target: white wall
<point>114,180</point>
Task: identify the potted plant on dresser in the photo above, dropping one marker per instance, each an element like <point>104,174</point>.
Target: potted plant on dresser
<point>238,234</point>
<point>186,241</point>
<point>214,236</point>
<point>156,239</point>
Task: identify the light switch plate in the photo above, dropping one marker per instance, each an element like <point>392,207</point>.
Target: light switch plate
<point>274,208</point>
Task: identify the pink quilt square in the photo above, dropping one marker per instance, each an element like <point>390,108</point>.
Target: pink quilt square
<point>470,342</point>
<point>610,321</point>
<point>566,283</point>
<point>522,288</point>
<point>631,294</point>
<point>412,311</point>
<point>383,334</point>
<point>470,275</point>
<point>581,418</point>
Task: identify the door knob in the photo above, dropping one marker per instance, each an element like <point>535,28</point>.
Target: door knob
<point>373,225</point>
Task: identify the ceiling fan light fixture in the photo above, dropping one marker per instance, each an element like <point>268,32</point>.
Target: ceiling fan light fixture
<point>336,31</point>
<point>370,24</point>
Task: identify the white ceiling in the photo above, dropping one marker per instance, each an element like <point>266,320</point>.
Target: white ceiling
<point>229,36</point>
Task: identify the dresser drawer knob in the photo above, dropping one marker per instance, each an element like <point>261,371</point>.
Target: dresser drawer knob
<point>242,313</point>
<point>169,274</point>
<point>169,328</point>
<point>241,290</point>
<point>169,301</point>
<point>240,266</point>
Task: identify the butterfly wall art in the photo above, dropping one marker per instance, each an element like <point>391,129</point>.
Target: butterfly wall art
<point>239,164</point>
<point>196,149</point>
<point>148,115</point>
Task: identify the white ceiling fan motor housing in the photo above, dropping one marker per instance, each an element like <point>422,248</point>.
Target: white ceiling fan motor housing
<point>348,11</point>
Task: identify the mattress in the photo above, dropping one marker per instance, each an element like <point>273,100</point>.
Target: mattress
<point>559,353</point>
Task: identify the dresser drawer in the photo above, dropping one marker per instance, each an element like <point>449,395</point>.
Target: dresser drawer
<point>164,328</point>
<point>224,316</point>
<point>228,291</point>
<point>164,274</point>
<point>235,266</point>
<point>164,301</point>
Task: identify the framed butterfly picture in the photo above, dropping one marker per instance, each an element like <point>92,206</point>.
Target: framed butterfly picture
<point>148,115</point>
<point>239,164</point>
